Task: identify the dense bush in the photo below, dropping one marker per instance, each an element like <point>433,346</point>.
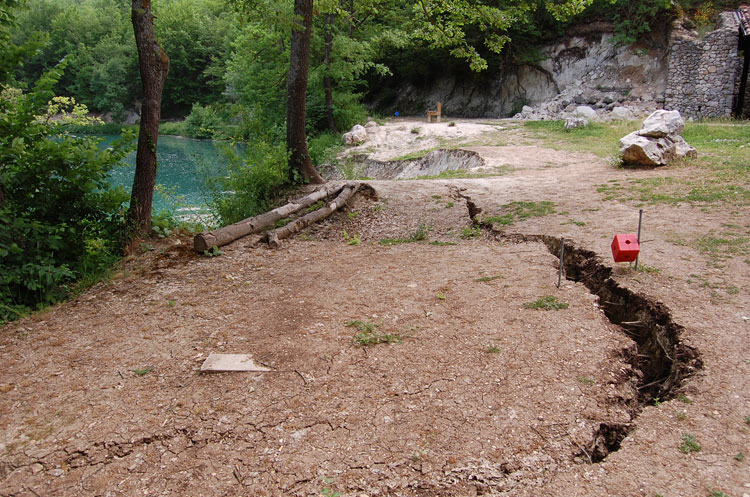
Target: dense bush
<point>59,218</point>
<point>256,176</point>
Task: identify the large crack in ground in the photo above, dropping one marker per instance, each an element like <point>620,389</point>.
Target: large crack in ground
<point>660,361</point>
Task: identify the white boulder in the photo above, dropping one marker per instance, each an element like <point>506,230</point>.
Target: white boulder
<point>357,136</point>
<point>663,123</point>
<point>658,142</point>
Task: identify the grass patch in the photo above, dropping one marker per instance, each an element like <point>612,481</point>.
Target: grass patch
<point>441,244</point>
<point>486,279</point>
<point>492,349</point>
<point>143,371</point>
<point>518,211</point>
<point>468,173</point>
<point>597,138</point>
<point>367,334</point>
<point>548,303</point>
<point>471,232</point>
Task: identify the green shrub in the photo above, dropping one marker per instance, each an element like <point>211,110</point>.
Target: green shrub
<point>323,148</point>
<point>203,122</point>
<point>255,178</point>
<point>59,218</point>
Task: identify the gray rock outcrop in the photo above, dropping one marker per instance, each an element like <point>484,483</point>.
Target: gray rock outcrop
<point>658,142</point>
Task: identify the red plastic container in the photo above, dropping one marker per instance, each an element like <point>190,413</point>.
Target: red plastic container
<point>625,248</point>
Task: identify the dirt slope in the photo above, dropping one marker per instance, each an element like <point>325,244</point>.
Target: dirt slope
<point>480,394</point>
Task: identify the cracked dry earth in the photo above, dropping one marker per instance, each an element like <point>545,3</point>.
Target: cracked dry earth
<point>482,396</point>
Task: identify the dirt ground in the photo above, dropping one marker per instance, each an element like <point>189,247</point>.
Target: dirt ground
<point>481,395</point>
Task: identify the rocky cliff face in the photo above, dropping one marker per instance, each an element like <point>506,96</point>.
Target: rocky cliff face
<point>586,67</point>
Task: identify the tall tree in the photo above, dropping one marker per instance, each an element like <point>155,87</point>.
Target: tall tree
<point>296,93</point>
<point>154,67</point>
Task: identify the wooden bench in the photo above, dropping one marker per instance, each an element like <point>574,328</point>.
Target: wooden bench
<point>435,113</point>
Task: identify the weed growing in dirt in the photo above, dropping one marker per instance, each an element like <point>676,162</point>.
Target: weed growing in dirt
<point>739,457</point>
<point>352,214</point>
<point>716,493</point>
<point>747,420</point>
<point>213,252</point>
<point>548,303</point>
<point>518,211</point>
<point>314,207</point>
<point>642,268</point>
<point>441,244</point>
<point>352,240</point>
<point>143,371</point>
<point>586,380</point>
<point>441,296</point>
<point>451,124</point>
<point>486,279</point>
<point>684,399</point>
<point>368,334</point>
<point>418,236</point>
<point>492,349</point>
<point>327,491</point>
<point>571,221</point>
<point>415,131</point>
<point>688,444</point>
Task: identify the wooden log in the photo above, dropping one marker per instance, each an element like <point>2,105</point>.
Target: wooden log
<point>274,237</point>
<point>223,236</point>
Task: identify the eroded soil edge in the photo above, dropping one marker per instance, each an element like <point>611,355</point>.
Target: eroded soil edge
<point>660,361</point>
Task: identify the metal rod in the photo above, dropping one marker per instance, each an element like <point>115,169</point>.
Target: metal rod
<point>562,255</point>
<point>640,219</point>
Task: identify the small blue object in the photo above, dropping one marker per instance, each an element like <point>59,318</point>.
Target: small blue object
<point>396,113</point>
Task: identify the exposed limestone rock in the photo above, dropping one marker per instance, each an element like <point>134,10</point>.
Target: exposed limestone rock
<point>662,123</point>
<point>658,142</point>
<point>575,122</point>
<point>357,136</point>
<point>621,114</point>
<point>370,125</point>
<point>585,112</point>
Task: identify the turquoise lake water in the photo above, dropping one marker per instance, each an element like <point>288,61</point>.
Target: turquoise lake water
<point>183,163</point>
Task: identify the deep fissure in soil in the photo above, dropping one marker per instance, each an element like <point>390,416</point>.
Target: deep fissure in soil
<point>660,361</point>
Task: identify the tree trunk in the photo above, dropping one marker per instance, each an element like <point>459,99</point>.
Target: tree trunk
<point>296,93</point>
<point>154,66</point>
<point>274,237</point>
<point>328,80</point>
<point>228,234</point>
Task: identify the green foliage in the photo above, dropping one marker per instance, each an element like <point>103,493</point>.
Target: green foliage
<point>633,19</point>
<point>367,334</point>
<point>203,122</point>
<point>256,176</point>
<point>688,444</point>
<point>59,218</point>
<point>324,147</point>
<point>548,303</point>
<point>352,240</point>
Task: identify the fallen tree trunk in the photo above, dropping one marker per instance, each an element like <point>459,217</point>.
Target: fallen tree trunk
<point>228,234</point>
<point>274,237</point>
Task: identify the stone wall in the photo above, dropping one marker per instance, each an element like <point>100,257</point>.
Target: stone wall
<point>703,77</point>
